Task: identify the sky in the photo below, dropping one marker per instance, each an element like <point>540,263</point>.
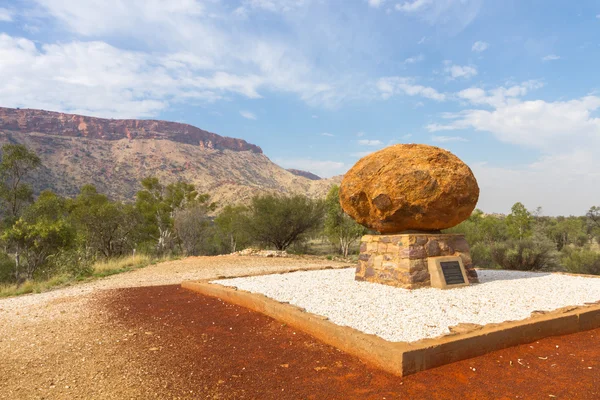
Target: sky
<point>511,87</point>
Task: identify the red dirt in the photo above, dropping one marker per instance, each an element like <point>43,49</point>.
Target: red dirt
<point>202,347</point>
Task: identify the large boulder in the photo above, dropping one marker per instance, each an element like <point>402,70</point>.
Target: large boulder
<point>409,187</point>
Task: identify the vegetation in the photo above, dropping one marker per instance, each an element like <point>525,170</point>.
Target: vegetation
<point>281,221</point>
<point>51,240</point>
<point>527,241</point>
<point>340,229</point>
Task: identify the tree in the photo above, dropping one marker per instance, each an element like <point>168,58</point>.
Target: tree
<point>519,222</point>
<point>594,216</point>
<point>481,228</point>
<point>192,226</point>
<point>232,227</point>
<point>341,229</point>
<point>17,162</point>
<point>283,220</point>
<point>565,231</point>
<point>42,230</point>
<point>106,227</point>
<point>158,204</point>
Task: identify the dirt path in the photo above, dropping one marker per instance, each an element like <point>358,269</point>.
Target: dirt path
<point>62,344</point>
<point>165,342</point>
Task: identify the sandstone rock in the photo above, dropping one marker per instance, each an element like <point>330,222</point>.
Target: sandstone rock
<point>409,187</point>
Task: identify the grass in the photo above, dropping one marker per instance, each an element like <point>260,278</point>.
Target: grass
<point>119,265</point>
<point>100,270</point>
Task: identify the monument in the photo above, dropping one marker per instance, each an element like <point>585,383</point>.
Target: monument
<point>409,193</point>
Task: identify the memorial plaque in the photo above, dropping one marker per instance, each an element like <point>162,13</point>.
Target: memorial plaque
<point>452,272</point>
<point>447,272</point>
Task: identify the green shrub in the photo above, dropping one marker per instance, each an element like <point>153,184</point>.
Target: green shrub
<point>581,261</point>
<point>481,254</point>
<point>525,255</point>
<point>75,263</point>
<point>7,268</point>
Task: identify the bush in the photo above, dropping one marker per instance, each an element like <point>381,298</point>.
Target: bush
<point>581,261</point>
<point>7,268</point>
<point>481,254</point>
<point>75,263</point>
<point>281,220</point>
<point>525,255</point>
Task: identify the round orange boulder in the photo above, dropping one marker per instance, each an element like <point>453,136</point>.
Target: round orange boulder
<point>409,187</point>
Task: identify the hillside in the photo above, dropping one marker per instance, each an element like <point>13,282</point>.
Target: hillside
<point>114,155</point>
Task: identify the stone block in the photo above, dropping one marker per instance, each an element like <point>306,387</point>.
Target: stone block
<point>433,248</point>
<point>445,248</point>
<point>393,248</point>
<point>413,252</point>
<point>459,243</point>
<point>418,265</point>
<point>389,265</point>
<point>372,247</point>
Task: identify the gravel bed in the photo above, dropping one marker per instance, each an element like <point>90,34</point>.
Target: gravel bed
<point>401,315</point>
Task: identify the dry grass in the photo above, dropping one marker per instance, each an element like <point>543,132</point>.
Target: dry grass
<point>117,265</point>
<point>100,270</point>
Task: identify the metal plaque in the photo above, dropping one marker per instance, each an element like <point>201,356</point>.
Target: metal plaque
<point>452,272</point>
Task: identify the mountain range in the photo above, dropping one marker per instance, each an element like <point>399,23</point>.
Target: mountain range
<point>115,154</point>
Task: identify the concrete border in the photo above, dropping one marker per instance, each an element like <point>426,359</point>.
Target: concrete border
<point>401,358</point>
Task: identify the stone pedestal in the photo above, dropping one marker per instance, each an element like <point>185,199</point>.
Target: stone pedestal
<point>401,260</point>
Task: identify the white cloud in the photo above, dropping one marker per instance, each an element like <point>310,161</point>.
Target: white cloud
<point>480,46</point>
<point>498,96</point>
<point>563,184</point>
<point>422,40</point>
<point>360,134</point>
<point>260,62</point>
<point>375,3</point>
<point>324,169</point>
<point>98,79</point>
<point>446,139</point>
<point>452,16</point>
<point>367,142</point>
<point>550,57</point>
<point>412,6</point>
<point>414,59</point>
<point>275,6</point>
<point>247,115</point>
<point>393,85</point>
<point>538,124</point>
<point>314,116</point>
<point>327,134</point>
<point>5,15</point>
<point>459,71</point>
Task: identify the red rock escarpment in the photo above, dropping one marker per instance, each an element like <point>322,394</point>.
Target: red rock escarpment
<point>54,123</point>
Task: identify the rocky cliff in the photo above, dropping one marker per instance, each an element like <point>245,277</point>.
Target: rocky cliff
<point>79,126</point>
<point>305,174</point>
<point>114,155</point>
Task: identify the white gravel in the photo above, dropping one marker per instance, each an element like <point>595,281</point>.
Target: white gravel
<point>401,315</point>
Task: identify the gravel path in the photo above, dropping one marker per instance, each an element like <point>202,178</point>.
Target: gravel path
<point>401,315</point>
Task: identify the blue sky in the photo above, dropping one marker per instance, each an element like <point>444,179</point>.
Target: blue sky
<point>511,87</point>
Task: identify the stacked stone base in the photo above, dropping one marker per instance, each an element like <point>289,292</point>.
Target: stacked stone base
<point>401,260</point>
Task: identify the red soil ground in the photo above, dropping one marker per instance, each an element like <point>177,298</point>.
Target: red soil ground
<point>202,347</point>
